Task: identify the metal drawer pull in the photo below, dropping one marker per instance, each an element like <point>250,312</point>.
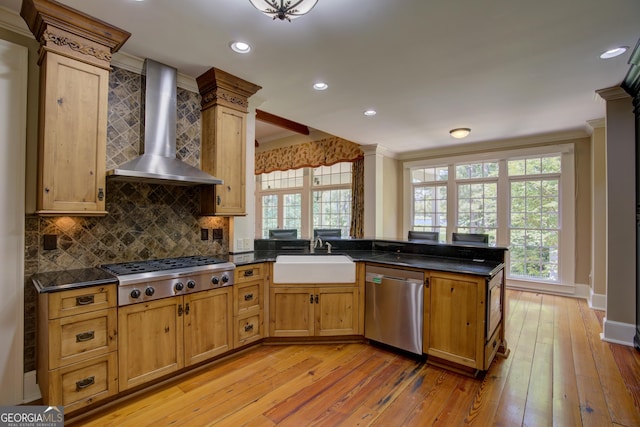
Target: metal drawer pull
<point>248,327</point>
<point>84,300</point>
<point>248,297</point>
<point>248,273</point>
<point>85,336</point>
<point>82,384</point>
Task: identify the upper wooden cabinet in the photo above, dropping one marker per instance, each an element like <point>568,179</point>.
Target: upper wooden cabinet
<point>224,138</point>
<point>75,60</point>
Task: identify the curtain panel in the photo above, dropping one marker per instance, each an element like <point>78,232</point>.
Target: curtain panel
<point>324,152</point>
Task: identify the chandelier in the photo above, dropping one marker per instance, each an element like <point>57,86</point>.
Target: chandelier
<point>284,9</point>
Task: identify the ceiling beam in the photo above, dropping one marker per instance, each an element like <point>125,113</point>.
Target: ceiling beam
<point>263,116</point>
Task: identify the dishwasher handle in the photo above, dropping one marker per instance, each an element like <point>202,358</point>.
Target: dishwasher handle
<point>379,279</point>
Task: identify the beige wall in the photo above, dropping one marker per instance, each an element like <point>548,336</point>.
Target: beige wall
<point>392,198</point>
<point>621,248</point>
<point>582,159</point>
<point>599,211</point>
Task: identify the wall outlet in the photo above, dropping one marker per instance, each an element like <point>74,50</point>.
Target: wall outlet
<point>239,245</point>
<point>204,234</point>
<point>217,233</point>
<point>50,242</point>
<point>247,244</point>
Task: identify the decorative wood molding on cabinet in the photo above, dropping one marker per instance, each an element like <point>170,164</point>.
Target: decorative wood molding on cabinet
<point>225,99</point>
<point>75,60</point>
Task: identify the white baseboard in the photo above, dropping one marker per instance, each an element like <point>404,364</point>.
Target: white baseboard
<point>31,391</point>
<point>597,301</point>
<point>618,332</point>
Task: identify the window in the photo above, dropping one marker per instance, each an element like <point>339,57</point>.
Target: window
<point>522,199</point>
<point>430,200</point>
<point>477,194</point>
<point>534,227</point>
<point>281,201</point>
<point>305,199</point>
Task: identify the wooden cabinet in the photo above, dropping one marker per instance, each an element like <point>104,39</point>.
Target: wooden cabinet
<point>151,338</point>
<point>74,64</point>
<point>455,319</point>
<point>163,336</point>
<point>224,140</point>
<point>73,136</point>
<point>209,324</point>
<point>77,346</point>
<point>248,304</point>
<point>322,310</point>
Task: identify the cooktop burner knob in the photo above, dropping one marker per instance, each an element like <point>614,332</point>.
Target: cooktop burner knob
<point>215,280</point>
<point>135,293</point>
<point>149,291</point>
<point>179,286</point>
<point>225,278</point>
<point>191,284</point>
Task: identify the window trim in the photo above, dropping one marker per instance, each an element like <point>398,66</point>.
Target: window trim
<point>566,249</point>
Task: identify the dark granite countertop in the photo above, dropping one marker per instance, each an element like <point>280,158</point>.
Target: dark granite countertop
<point>62,280</point>
<point>477,267</point>
<point>436,257</point>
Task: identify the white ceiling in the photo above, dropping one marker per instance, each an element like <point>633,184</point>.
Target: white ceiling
<point>504,68</point>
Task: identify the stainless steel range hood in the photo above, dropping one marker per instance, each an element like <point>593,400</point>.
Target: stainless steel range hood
<point>158,164</point>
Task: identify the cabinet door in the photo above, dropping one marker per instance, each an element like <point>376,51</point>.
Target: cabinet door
<point>208,327</point>
<point>72,147</point>
<point>455,319</point>
<point>291,312</point>
<point>150,335</point>
<point>224,152</point>
<point>336,311</point>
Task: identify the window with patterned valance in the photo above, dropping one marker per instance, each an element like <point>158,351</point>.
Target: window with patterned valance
<point>313,154</point>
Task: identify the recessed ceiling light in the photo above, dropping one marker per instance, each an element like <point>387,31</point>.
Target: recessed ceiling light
<point>370,112</point>
<point>460,132</point>
<point>612,53</point>
<point>240,47</point>
<point>320,86</point>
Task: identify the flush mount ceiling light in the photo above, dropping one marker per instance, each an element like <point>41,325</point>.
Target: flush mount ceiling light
<point>284,9</point>
<point>320,86</point>
<point>460,132</point>
<point>240,47</point>
<point>370,113</point>
<point>612,53</point>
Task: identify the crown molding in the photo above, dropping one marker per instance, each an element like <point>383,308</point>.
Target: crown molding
<point>597,123</point>
<point>612,93</point>
<point>12,21</point>
<point>501,144</point>
<point>135,64</point>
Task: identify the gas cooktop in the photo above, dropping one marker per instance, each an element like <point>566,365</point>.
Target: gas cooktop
<point>163,264</point>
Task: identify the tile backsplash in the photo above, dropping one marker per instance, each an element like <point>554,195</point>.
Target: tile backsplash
<point>144,221</point>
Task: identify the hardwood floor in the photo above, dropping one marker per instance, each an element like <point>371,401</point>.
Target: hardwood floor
<point>559,373</point>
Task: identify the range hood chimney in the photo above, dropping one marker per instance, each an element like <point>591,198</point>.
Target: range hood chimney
<point>158,164</point>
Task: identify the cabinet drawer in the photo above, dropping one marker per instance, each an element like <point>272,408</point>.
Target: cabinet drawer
<point>84,300</point>
<point>83,383</point>
<point>249,329</point>
<point>250,272</point>
<point>248,297</point>
<point>80,337</point>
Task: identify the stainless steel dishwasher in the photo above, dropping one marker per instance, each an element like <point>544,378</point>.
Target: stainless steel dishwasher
<point>393,307</point>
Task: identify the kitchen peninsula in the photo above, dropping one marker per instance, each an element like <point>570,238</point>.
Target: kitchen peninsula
<point>462,321</point>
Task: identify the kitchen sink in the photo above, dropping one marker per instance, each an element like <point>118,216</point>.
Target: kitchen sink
<point>314,269</point>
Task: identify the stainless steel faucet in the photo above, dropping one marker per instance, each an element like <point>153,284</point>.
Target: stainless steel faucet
<point>316,242</point>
